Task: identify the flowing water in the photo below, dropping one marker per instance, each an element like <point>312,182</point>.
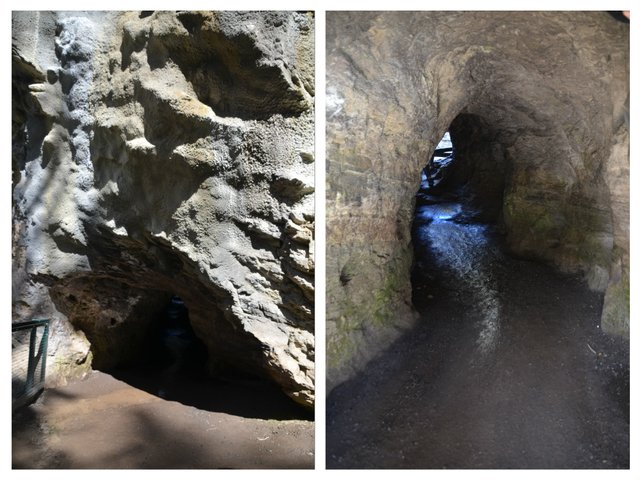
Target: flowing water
<point>465,252</point>
<point>507,367</point>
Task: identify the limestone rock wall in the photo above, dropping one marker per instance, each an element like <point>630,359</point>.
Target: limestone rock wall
<point>161,153</point>
<point>539,99</point>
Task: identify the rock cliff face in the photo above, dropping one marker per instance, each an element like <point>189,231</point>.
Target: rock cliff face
<point>161,153</point>
<point>536,103</point>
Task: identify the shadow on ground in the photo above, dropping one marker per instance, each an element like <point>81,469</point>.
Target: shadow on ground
<point>248,398</point>
<point>104,423</point>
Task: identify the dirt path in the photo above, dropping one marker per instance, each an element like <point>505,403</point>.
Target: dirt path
<point>508,369</point>
<point>102,422</point>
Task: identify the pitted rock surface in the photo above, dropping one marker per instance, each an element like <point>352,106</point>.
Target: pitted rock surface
<point>166,153</point>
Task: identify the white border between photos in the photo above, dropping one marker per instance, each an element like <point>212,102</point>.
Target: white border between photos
<point>320,7</point>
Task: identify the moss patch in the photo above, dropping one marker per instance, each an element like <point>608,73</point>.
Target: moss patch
<point>385,299</point>
<point>569,234</point>
<point>615,312</point>
<point>367,315</point>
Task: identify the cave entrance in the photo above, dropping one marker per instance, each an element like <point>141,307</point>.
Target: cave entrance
<point>170,357</point>
<point>174,363</point>
<point>167,335</point>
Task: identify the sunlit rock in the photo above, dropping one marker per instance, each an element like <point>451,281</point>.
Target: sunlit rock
<point>159,154</point>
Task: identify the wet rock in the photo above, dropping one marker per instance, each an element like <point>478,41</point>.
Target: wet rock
<point>159,154</point>
<point>535,102</point>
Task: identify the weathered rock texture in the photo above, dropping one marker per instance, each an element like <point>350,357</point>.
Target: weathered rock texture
<point>536,103</point>
<point>161,153</point>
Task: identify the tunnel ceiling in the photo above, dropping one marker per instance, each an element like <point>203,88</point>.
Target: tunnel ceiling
<point>144,163</point>
<point>551,92</point>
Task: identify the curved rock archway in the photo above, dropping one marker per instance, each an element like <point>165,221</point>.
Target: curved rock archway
<point>537,104</point>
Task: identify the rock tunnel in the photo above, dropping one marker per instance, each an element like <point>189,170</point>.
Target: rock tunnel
<point>144,167</point>
<point>537,108</point>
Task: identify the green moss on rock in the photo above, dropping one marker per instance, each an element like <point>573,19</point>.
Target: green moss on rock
<point>615,311</point>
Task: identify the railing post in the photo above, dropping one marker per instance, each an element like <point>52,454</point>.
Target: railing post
<point>31,367</point>
<point>43,350</point>
<point>32,384</point>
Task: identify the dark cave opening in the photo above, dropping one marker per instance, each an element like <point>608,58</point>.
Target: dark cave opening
<point>174,364</point>
<point>467,166</point>
<point>173,345</point>
<point>134,287</point>
<point>173,349</point>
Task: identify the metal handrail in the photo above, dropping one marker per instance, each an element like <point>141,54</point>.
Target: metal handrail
<point>31,323</point>
<point>31,387</point>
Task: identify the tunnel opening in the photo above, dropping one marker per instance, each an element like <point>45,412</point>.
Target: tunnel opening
<point>458,235</point>
<point>523,325</point>
<point>457,215</point>
<point>176,365</point>
<point>468,166</point>
<point>172,345</point>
